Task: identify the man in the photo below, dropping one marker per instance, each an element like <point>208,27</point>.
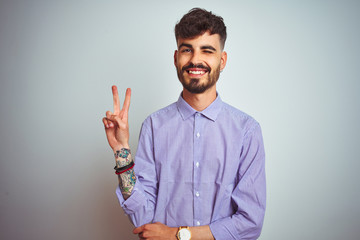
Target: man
<point>200,162</point>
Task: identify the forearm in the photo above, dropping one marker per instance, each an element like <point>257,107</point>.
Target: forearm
<point>197,233</point>
<point>201,233</point>
<point>159,231</point>
<point>127,182</point>
<point>126,178</point>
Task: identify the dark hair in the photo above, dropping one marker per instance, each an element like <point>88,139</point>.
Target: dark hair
<point>198,21</point>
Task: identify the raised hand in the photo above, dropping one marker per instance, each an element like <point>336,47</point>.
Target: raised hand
<point>116,123</point>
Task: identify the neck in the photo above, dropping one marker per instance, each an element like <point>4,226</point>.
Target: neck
<point>200,101</point>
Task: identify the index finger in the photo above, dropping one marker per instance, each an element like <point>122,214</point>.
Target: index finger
<point>116,100</point>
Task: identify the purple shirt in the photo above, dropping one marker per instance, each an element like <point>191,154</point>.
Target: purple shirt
<point>200,168</point>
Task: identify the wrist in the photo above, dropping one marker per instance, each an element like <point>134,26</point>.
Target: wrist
<point>121,146</point>
<point>123,169</point>
<point>173,233</point>
<point>122,157</point>
<point>183,233</point>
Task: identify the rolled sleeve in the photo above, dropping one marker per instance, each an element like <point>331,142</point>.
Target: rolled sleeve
<point>249,195</point>
<point>134,202</point>
<point>224,229</point>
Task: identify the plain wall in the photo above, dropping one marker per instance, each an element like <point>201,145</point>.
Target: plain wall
<point>292,65</point>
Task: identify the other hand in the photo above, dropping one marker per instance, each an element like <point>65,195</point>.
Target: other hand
<point>155,231</point>
<point>116,123</point>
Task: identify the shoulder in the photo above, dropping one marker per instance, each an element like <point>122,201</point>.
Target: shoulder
<point>170,109</point>
<point>239,118</point>
<point>161,115</point>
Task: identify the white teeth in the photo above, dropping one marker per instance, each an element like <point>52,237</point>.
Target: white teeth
<point>196,72</point>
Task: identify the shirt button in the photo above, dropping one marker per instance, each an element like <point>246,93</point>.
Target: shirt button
<point>198,223</point>
<point>197,194</point>
<point>198,135</point>
<point>197,164</point>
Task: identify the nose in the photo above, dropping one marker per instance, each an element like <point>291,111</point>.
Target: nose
<point>196,58</point>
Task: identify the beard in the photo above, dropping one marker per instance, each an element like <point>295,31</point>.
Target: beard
<point>194,86</point>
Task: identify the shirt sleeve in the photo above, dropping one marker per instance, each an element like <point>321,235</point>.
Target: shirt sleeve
<point>141,204</point>
<point>249,196</point>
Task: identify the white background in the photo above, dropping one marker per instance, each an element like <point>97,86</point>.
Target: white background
<point>292,65</point>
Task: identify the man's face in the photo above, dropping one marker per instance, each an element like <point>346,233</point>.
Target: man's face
<point>199,61</point>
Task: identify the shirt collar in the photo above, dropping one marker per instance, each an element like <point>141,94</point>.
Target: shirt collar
<point>211,112</point>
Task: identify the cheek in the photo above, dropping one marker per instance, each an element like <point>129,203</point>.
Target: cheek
<point>216,63</point>
<point>213,65</point>
<point>213,60</point>
<point>181,63</point>
<point>182,60</point>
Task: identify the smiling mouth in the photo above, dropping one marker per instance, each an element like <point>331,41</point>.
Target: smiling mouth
<point>196,72</point>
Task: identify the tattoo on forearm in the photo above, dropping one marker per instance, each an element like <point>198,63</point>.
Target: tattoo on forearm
<point>127,182</point>
<point>122,157</point>
<point>127,179</point>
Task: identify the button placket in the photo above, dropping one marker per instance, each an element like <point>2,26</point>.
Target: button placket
<point>198,122</point>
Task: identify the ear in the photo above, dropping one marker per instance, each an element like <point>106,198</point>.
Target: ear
<point>175,57</point>
<point>223,60</point>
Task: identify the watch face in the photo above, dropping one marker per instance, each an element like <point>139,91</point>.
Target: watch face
<point>184,234</point>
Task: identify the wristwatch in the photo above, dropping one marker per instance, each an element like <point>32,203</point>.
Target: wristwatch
<point>184,233</point>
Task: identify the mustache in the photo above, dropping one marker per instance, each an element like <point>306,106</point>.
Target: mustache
<point>191,65</point>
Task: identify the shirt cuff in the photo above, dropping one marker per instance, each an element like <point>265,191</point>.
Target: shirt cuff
<point>134,202</point>
<point>224,229</point>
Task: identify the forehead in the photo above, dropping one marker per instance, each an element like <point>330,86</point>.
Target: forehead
<point>202,40</point>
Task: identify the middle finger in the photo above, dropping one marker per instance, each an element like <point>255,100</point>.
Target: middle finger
<point>116,100</point>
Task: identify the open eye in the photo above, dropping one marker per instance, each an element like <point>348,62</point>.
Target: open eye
<point>186,50</point>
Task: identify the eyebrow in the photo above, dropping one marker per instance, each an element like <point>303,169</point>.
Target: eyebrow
<point>185,45</point>
<point>208,47</point>
<point>202,47</point>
